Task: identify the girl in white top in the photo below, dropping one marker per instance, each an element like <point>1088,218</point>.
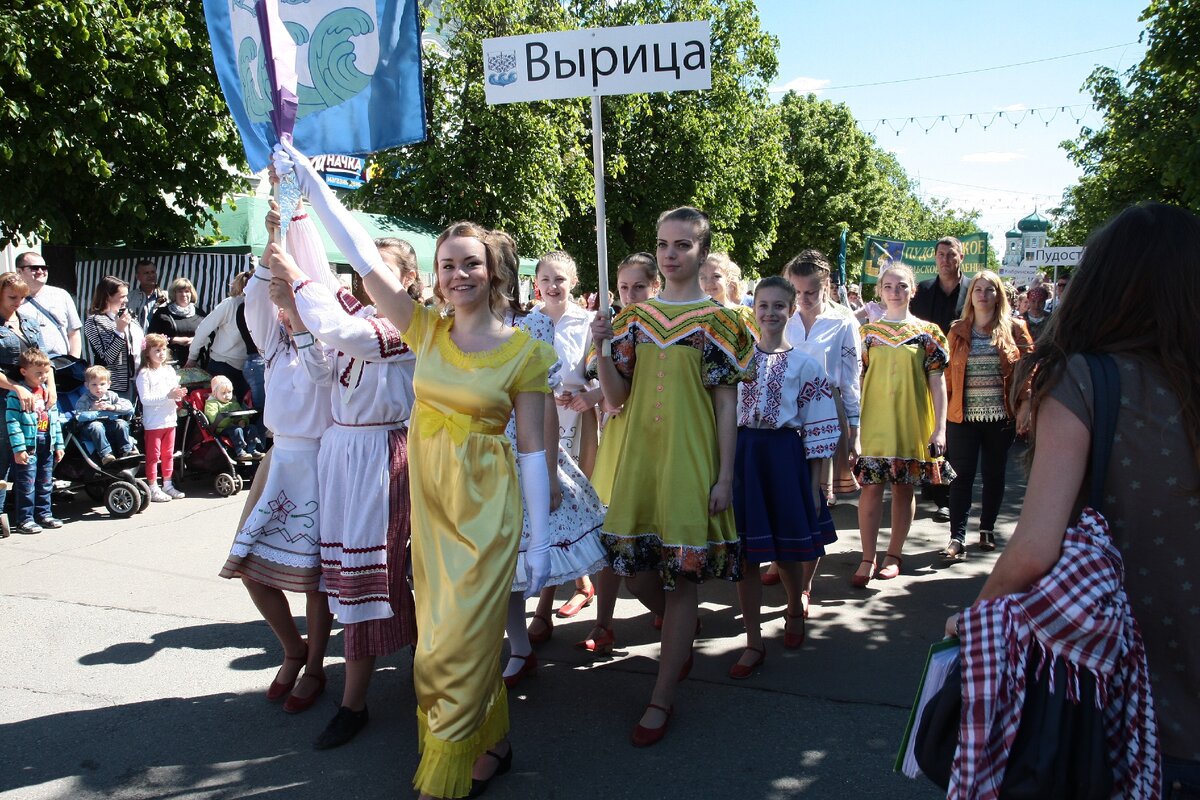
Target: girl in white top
<point>556,276</point>
<point>827,331</point>
<point>159,391</point>
<point>787,425</point>
<point>363,465</point>
<point>278,544</point>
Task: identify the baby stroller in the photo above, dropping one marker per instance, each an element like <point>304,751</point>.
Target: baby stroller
<point>206,451</point>
<point>115,484</point>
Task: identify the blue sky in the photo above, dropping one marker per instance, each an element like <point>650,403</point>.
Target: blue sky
<point>1004,171</point>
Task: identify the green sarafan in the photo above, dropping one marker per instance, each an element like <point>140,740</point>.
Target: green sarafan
<point>112,125</point>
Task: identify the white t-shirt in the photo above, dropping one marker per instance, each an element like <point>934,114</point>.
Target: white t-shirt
<point>54,309</point>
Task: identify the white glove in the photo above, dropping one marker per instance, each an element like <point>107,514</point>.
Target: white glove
<point>354,243</point>
<point>535,487</point>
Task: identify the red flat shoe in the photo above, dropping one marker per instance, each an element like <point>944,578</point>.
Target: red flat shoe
<point>571,608</point>
<point>529,667</point>
<point>860,581</point>
<point>889,571</point>
<point>644,737</point>
<point>279,690</point>
<point>603,643</point>
<point>294,705</point>
<point>793,641</point>
<point>544,636</point>
<point>770,578</point>
<point>739,671</point>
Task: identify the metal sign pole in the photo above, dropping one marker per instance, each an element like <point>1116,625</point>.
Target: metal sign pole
<point>601,223</point>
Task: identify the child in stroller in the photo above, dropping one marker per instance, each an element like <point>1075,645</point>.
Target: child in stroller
<point>221,411</point>
<point>102,417</point>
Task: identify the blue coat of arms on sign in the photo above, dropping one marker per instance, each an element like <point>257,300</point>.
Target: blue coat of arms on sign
<point>502,67</point>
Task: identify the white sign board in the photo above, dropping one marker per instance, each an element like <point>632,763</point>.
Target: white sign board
<point>1054,256</point>
<point>1020,273</point>
<point>671,57</point>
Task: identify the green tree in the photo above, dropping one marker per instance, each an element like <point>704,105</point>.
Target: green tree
<point>113,125</point>
<point>527,167</point>
<point>842,178</point>
<point>1148,147</point>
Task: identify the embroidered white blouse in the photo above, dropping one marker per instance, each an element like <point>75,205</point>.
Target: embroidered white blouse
<point>834,342</point>
<point>791,390</point>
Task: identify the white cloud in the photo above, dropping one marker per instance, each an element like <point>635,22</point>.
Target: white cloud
<point>802,85</point>
<point>992,157</point>
<point>1013,107</point>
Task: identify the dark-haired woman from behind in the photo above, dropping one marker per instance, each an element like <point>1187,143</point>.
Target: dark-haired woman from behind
<point>1152,484</point>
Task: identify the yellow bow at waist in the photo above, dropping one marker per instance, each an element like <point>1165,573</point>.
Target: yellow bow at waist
<point>430,420</point>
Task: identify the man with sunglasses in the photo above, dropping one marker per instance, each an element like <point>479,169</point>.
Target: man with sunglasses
<point>51,306</point>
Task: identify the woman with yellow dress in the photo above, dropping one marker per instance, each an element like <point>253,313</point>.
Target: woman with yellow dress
<point>903,422</point>
<point>472,372</point>
<point>675,364</point>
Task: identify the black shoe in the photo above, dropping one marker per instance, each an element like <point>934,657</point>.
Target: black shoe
<point>341,729</point>
<point>987,540</point>
<point>504,764</point>
<point>50,522</point>
<point>942,514</point>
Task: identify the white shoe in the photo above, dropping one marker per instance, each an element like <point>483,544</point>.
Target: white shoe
<point>173,493</point>
<point>157,495</point>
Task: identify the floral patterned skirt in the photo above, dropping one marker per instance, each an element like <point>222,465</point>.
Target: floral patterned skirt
<point>911,471</point>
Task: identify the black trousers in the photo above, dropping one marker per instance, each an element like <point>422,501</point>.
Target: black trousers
<point>982,447</point>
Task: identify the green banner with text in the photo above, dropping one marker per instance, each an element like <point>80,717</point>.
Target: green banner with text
<point>920,256</point>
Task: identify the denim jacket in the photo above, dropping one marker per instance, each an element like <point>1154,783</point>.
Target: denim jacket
<point>13,344</point>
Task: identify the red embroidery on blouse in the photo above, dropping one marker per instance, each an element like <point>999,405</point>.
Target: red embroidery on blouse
<point>348,301</point>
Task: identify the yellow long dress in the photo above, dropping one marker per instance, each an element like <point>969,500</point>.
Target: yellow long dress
<point>466,528</point>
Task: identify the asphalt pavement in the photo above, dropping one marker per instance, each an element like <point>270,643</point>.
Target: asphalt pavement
<point>130,670</point>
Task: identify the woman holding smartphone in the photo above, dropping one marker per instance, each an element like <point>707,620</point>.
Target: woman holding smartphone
<point>112,334</point>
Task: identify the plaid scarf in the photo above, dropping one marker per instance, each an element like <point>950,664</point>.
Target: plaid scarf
<point>1077,613</point>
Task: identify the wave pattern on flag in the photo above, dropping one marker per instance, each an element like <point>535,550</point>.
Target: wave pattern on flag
<point>358,66</point>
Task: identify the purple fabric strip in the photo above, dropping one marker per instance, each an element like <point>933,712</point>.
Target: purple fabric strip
<point>279,57</point>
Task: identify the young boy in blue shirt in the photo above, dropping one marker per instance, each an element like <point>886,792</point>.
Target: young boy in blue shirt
<point>37,445</point>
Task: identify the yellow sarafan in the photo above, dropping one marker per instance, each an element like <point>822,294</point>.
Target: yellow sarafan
<point>466,527</point>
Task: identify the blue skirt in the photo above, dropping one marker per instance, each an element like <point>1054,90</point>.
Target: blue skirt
<point>778,518</point>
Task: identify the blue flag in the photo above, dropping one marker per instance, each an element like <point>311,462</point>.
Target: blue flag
<point>358,66</point>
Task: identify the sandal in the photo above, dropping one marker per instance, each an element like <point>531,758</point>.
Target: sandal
<point>955,551</point>
<point>889,571</point>
<point>544,635</point>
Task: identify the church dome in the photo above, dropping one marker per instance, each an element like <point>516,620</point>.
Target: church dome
<point>1034,223</point>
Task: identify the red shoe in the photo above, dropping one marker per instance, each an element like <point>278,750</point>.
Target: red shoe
<point>739,672</point>
<point>278,690</point>
<point>529,667</point>
<point>860,581</point>
<point>793,641</point>
<point>644,737</point>
<point>571,608</point>
<point>769,578</point>
<point>657,622</point>
<point>294,705</point>
<point>544,636</point>
<point>889,571</point>
<point>603,643</point>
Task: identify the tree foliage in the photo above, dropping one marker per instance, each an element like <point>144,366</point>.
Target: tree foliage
<point>1148,147</point>
<point>112,124</point>
<point>527,167</point>
<point>842,178</point>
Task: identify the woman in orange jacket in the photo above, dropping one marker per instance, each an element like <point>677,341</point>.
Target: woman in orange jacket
<point>985,346</point>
